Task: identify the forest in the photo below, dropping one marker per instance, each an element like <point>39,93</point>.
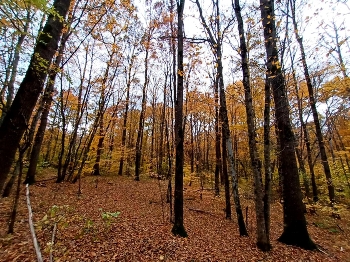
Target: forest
<point>198,130</point>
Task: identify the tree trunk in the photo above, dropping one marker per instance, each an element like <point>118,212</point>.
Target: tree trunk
<point>307,142</point>
<point>11,181</point>
<point>125,116</point>
<point>215,43</point>
<point>142,116</point>
<point>219,162</point>
<point>228,211</point>
<point>47,100</point>
<point>267,157</point>
<point>17,118</point>
<point>312,102</point>
<point>178,228</point>
<point>295,231</point>
<point>262,240</point>
<point>96,167</point>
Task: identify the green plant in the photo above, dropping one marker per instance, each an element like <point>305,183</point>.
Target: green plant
<point>109,216</point>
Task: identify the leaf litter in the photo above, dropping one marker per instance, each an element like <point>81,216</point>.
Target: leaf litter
<point>125,220</point>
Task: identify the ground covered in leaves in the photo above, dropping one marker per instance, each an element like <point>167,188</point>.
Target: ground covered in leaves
<point>119,219</point>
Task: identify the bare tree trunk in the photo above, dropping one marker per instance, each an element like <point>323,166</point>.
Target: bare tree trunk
<point>295,230</point>
<point>125,116</point>
<point>142,115</point>
<point>262,236</point>
<point>226,181</point>
<point>267,158</point>
<point>219,161</point>
<point>216,44</point>
<point>46,101</point>
<point>312,102</point>
<point>178,228</point>
<point>304,133</point>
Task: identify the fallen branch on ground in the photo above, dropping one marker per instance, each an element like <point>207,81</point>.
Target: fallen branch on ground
<point>52,241</point>
<point>31,226</point>
<point>200,211</point>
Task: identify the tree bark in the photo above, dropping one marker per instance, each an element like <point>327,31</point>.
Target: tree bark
<point>17,118</point>
<point>142,114</point>
<point>178,228</point>
<point>312,102</point>
<point>262,240</point>
<point>47,100</point>
<point>295,231</point>
<point>125,115</point>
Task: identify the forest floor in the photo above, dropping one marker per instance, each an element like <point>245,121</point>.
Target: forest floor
<point>89,227</point>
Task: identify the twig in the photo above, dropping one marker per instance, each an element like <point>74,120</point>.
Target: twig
<point>200,211</point>
<point>31,226</point>
<point>340,228</point>
<point>52,241</point>
<point>321,250</point>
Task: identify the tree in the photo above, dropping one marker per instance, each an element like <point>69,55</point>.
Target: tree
<point>215,41</point>
<point>312,102</point>
<point>262,226</point>
<point>17,117</point>
<point>294,231</point>
<point>178,228</point>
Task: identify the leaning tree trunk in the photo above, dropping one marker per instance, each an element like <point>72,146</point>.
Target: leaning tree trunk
<point>295,230</point>
<point>17,118</point>
<point>312,102</point>
<point>262,240</point>
<point>178,228</point>
<point>47,100</point>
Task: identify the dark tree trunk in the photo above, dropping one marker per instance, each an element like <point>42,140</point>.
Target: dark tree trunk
<point>60,177</point>
<point>262,236</point>
<point>11,181</point>
<point>218,161</point>
<point>304,133</point>
<point>96,167</point>
<point>295,231</point>
<point>178,228</point>
<point>125,116</point>
<point>142,116</point>
<point>15,204</point>
<point>267,157</point>
<point>312,102</point>
<point>228,211</point>
<point>47,100</point>
<point>160,170</point>
<point>17,118</point>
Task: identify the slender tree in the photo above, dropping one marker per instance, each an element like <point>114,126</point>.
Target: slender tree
<point>215,41</point>
<point>178,228</point>
<point>262,236</point>
<point>312,101</point>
